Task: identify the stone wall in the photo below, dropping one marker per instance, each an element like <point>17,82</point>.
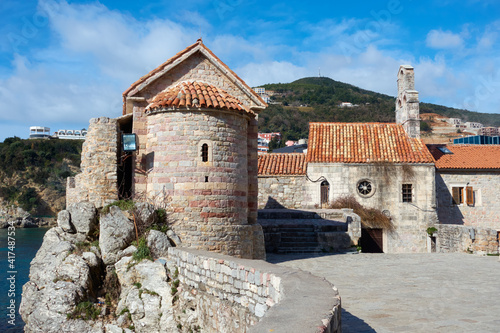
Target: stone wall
<point>457,238</point>
<point>234,294</point>
<point>97,181</point>
<point>209,200</point>
<point>410,219</point>
<point>282,191</point>
<point>485,211</point>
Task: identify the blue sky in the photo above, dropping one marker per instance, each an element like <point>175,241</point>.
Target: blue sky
<point>64,62</point>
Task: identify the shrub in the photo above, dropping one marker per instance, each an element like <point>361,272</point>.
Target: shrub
<point>143,251</point>
<point>28,199</point>
<point>126,205</point>
<point>85,310</point>
<point>370,217</point>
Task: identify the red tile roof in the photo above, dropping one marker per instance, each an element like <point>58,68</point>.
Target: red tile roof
<point>364,143</point>
<point>195,95</point>
<point>467,156</point>
<point>200,46</point>
<point>282,164</point>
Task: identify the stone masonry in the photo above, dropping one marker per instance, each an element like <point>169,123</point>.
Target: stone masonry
<point>407,104</point>
<point>485,212</point>
<point>97,181</point>
<point>213,203</point>
<point>282,191</point>
<point>234,294</point>
<point>410,219</point>
<point>458,238</point>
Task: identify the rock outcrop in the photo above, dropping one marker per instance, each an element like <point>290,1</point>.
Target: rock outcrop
<point>19,218</point>
<point>116,233</point>
<point>69,290</point>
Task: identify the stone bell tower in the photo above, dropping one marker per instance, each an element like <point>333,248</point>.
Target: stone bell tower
<point>407,104</point>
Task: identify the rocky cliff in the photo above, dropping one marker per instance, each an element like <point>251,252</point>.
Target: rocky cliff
<point>88,277</point>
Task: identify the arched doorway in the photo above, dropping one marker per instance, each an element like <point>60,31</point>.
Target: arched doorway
<point>325,190</point>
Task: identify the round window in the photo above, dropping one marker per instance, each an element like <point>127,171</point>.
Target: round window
<point>365,188</point>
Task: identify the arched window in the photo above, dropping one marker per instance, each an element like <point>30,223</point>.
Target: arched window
<point>325,189</point>
<point>204,152</point>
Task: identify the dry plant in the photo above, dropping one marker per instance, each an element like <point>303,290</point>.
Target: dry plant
<point>370,217</point>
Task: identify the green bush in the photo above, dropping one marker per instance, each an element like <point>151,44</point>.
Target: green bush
<point>28,199</point>
<point>143,251</point>
<point>85,310</point>
<point>126,205</point>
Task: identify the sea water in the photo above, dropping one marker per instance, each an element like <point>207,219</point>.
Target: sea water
<point>17,248</point>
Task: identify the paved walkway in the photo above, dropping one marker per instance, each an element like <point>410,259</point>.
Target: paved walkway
<point>410,292</point>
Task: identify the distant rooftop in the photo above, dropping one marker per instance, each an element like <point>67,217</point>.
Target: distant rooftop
<point>466,156</point>
<point>478,140</point>
<point>291,149</point>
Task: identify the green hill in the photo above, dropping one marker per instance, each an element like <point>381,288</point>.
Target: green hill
<point>33,173</point>
<point>317,99</point>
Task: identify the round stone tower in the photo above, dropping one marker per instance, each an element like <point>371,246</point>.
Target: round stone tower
<point>196,126</point>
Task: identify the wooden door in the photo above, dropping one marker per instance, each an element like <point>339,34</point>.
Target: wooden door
<point>325,189</point>
<point>372,240</point>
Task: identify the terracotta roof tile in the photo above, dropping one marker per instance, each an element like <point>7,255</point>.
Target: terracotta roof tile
<point>282,164</point>
<point>364,143</point>
<point>195,95</point>
<point>467,156</point>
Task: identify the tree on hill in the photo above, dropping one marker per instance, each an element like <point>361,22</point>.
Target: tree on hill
<point>323,96</point>
<point>29,167</point>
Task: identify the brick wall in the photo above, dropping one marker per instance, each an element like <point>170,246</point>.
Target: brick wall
<point>97,181</point>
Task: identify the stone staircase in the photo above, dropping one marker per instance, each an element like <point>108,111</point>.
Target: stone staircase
<point>304,231</point>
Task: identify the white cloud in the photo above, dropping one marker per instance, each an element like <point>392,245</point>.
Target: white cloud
<point>256,74</point>
<point>97,53</point>
<point>124,48</point>
<point>37,95</point>
<point>439,39</point>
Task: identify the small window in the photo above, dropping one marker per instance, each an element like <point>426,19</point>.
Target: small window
<point>365,188</point>
<point>204,152</point>
<point>407,192</point>
<point>444,150</point>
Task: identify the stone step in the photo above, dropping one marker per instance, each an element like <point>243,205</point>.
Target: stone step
<point>301,223</point>
<point>299,244</point>
<point>296,230</point>
<point>285,234</point>
<point>284,250</point>
<point>304,229</point>
<point>287,214</point>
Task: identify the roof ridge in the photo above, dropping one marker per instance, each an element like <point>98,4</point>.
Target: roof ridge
<point>340,142</point>
<point>198,46</point>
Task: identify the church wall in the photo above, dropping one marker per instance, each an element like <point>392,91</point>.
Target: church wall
<point>410,219</point>
<point>484,212</point>
<point>282,191</point>
<point>208,201</point>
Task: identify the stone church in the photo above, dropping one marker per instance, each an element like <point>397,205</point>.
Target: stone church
<point>190,133</point>
<point>383,165</point>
